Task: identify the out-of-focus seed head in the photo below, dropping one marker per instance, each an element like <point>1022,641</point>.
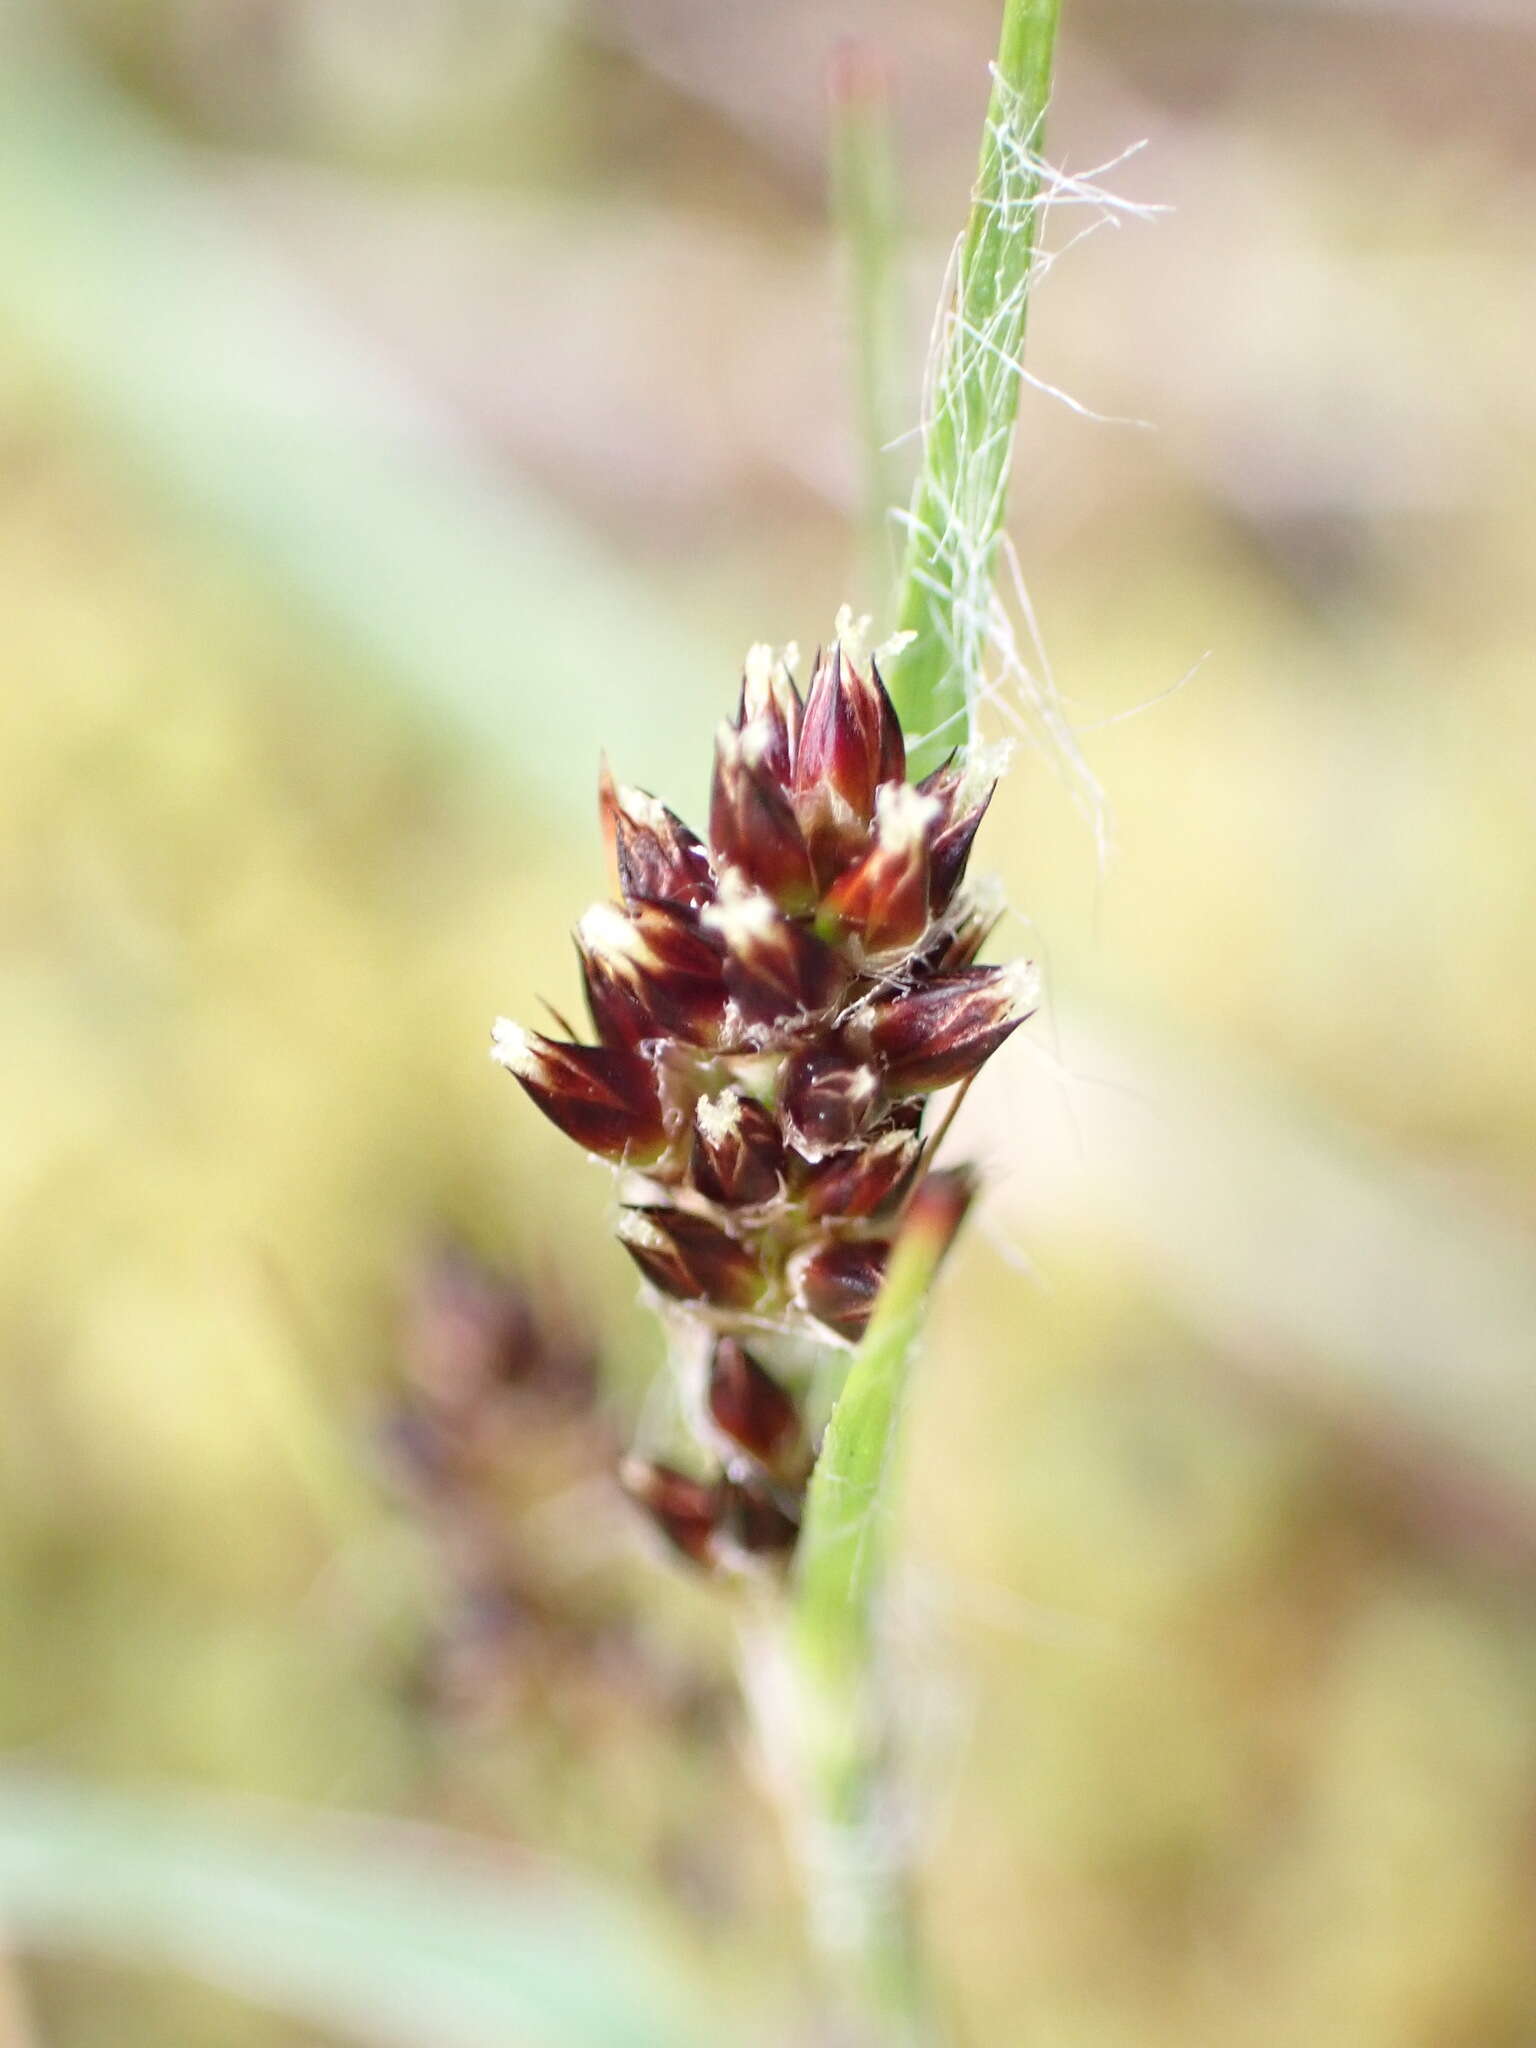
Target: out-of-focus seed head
<point>472,1331</point>
<point>750,1409</point>
<point>836,1281</point>
<point>690,1258</point>
<point>944,1030</point>
<point>752,824</point>
<point>650,972</point>
<point>655,858</point>
<point>826,1099</point>
<point>605,1097</point>
<point>775,969</point>
<point>738,1156</point>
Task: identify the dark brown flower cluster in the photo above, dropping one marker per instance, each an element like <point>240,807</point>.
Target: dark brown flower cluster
<point>771,1012</point>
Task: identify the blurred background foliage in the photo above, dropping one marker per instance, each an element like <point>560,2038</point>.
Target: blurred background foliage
<point>396,404</point>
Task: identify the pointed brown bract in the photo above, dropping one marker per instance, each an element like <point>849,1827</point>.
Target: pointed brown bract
<point>837,1280</point>
<point>863,1179</point>
<point>691,1258</point>
<point>650,972</point>
<point>608,822</point>
<point>945,1030</point>
<point>973,917</point>
<point>738,1156</point>
<point>752,824</point>
<point>747,1405</point>
<point>771,711</point>
<point>851,739</point>
<point>655,858</point>
<point>961,797</point>
<point>939,1207</point>
<point>686,1510</point>
<point>774,968</point>
<point>883,898</point>
<point>826,1100</point>
<point>604,1097</point>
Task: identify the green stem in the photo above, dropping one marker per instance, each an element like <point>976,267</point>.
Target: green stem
<point>957,512</point>
<point>864,210</point>
<point>856,1869</point>
<point>858,1876</point>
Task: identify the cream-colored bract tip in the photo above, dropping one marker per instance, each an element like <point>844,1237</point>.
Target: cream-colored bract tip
<point>605,929</point>
<point>1021,979</point>
<point>903,815</point>
<point>510,1046</point>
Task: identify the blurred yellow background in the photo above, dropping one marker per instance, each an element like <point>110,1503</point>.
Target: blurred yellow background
<point>397,405</point>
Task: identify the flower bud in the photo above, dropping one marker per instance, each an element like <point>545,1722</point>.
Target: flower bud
<point>650,973</point>
<point>883,897</point>
<point>851,740</point>
<point>738,1156</point>
<point>691,1258</point>
<point>752,823</point>
<point>655,857</point>
<point>748,1406</point>
<point>944,1030</point>
<point>837,1280</point>
<point>826,1100</point>
<point>774,968</point>
<point>686,1510</point>
<point>864,1178</point>
<point>605,1097</point>
<point>770,708</point>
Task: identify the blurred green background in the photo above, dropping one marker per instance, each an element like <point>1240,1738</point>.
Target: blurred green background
<point>397,404</point>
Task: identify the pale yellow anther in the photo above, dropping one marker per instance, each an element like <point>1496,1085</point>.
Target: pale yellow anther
<point>852,635</point>
<point>718,1116</point>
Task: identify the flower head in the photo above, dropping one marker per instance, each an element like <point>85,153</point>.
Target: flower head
<point>772,1011</point>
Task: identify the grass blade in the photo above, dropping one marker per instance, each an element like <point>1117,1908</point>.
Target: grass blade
<point>957,513</point>
<point>374,1931</point>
